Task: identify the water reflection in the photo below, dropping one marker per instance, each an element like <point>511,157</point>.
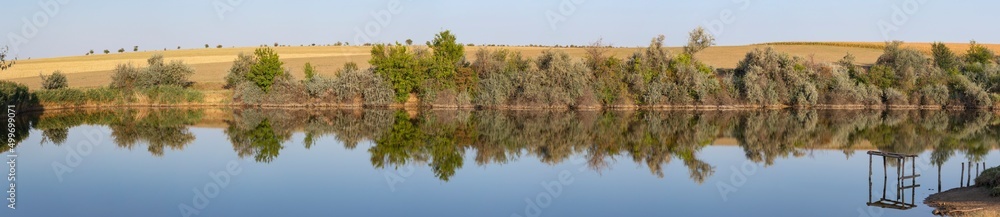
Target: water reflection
<point>442,139</point>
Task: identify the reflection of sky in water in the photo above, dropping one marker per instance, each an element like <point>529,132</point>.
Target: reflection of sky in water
<point>328,180</point>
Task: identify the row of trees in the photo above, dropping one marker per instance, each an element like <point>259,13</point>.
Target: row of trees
<point>440,76</point>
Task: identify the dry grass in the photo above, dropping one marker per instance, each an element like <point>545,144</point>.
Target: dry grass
<point>211,65</point>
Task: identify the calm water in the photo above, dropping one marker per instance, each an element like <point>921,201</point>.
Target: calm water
<point>249,162</point>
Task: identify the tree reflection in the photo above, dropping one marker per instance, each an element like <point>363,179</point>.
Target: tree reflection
<point>441,140</point>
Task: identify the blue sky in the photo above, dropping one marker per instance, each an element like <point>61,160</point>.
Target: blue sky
<point>79,26</point>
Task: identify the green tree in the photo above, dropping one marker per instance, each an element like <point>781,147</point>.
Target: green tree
<point>121,50</point>
<point>943,57</point>
<point>266,69</point>
<point>135,49</point>
<point>310,72</point>
<point>398,65</point>
<point>446,47</point>
<point>978,54</point>
<point>409,42</point>
<point>218,46</point>
<point>91,51</point>
<point>106,51</point>
<point>206,45</point>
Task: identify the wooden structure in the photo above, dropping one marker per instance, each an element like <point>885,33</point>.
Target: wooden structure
<point>899,202</point>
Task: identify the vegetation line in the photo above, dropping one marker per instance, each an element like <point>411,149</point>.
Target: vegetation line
<point>439,76</point>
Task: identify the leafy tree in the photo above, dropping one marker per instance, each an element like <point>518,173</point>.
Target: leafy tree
<point>55,81</point>
<point>266,69</point>
<point>106,51</point>
<point>446,47</point>
<point>206,45</point>
<point>91,51</point>
<point>978,54</point>
<point>409,42</point>
<point>699,40</point>
<point>396,64</point>
<point>135,49</point>
<point>276,44</point>
<point>178,47</point>
<point>218,46</point>
<point>943,57</point>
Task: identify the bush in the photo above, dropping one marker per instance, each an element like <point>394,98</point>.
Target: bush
<point>57,80</point>
<point>266,69</point>
<point>766,77</point>
<point>125,77</point>
<point>934,95</point>
<point>352,83</point>
<point>240,70</point>
<point>398,66</point>
<point>12,93</point>
<point>989,178</point>
<point>978,54</point>
<point>129,77</point>
<point>175,73</point>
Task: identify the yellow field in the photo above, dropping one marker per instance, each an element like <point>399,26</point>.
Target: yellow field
<point>211,64</point>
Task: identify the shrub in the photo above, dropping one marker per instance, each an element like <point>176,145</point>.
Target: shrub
<point>354,84</point>
<point>904,66</point>
<point>267,67</point>
<point>125,76</point>
<point>57,80</point>
<point>240,70</point>
<point>894,97</point>
<point>934,95</point>
<point>12,93</point>
<point>989,178</point>
<point>766,77</point>
<point>175,73</point>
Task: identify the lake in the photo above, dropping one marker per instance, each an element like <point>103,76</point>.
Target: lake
<point>307,162</point>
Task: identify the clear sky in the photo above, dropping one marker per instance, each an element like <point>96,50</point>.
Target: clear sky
<point>73,27</point>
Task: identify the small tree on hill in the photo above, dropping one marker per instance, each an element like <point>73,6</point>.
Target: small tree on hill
<point>4,63</point>
<point>409,42</point>
<point>218,46</point>
<point>121,50</point>
<point>135,49</point>
<point>106,51</point>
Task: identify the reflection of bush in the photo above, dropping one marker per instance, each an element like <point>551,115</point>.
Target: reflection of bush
<point>440,139</point>
<point>158,129</point>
